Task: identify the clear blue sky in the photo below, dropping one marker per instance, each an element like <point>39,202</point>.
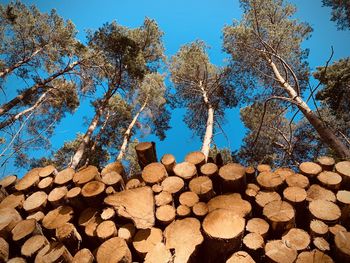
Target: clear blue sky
<point>183,21</point>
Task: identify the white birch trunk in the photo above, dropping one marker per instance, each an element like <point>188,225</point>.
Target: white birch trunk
<point>208,136</point>
<point>325,133</point>
<point>127,134</point>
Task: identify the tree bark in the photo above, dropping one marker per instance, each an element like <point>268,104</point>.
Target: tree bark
<point>8,70</point>
<point>86,139</point>
<point>325,133</point>
<point>127,134</point>
<point>210,124</point>
<point>26,93</point>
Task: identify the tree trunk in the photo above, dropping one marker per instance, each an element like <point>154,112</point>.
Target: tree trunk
<point>210,124</point>
<point>26,93</point>
<point>8,70</point>
<point>325,133</point>
<point>127,134</point>
<point>14,118</point>
<point>86,139</point>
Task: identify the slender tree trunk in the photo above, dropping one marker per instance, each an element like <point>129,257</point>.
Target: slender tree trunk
<point>14,118</point>
<point>210,124</point>
<point>325,133</point>
<point>86,139</point>
<point>25,94</point>
<point>127,134</point>
<point>8,70</point>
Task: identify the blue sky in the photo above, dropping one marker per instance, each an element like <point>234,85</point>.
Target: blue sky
<point>184,21</point>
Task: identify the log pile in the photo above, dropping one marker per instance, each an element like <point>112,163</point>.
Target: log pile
<point>189,211</point>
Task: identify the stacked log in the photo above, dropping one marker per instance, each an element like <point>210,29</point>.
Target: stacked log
<point>189,211</point>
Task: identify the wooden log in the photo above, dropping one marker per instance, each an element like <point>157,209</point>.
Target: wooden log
<point>8,220</point>
<point>163,198</point>
<point>212,171</point>
<point>173,184</point>
<point>343,200</point>
<point>183,211</point>
<point>134,183</point>
<point>317,192</point>
<point>14,200</point>
<point>57,196</point>
<point>74,198</point>
<point>270,181</point>
<point>158,254</point>
<point>333,231</point>
<point>250,192</point>
<point>168,160</point>
<point>262,198</point>
<point>296,196</point>
<point>86,175</point>
<point>4,250</point>
<point>254,244</point>
<point>284,172</point>
<point>114,167</point>
<point>188,229</point>
<point>223,231</point>
<point>200,210</point>
<point>196,158</point>
<point>64,177</point>
<point>188,198</point>
<point>33,245</point>
<point>107,213</point>
<point>325,211</point>
<point>17,260</point>
<point>146,153</point>
<point>165,214</point>
<point>48,170</point>
<point>297,238</point>
<point>38,216</point>
<point>86,216</point>
<point>93,192</point>
<point>310,169</point>
<point>258,226</point>
<point>326,162</point>
<point>318,228</point>
<point>232,202</point>
<point>69,236</point>
<point>157,188</point>
<point>106,230</point>
<point>25,228</point>
<point>146,239</point>
<point>83,256</point>
<point>280,215</point>
<point>314,256</point>
<point>56,252</point>
<point>263,168</point>
<point>276,251</point>
<point>342,246</point>
<point>35,202</point>
<point>321,244</point>
<point>8,183</point>
<point>91,227</point>
<point>127,232</point>
<point>203,187</point>
<point>240,257</point>
<point>3,193</point>
<point>135,204</point>
<point>57,217</point>
<point>250,174</point>
<point>110,190</point>
<point>154,173</point>
<point>232,177</point>
<point>185,170</point>
<point>343,168</point>
<point>298,180</point>
<point>45,184</point>
<point>28,181</point>
<point>330,180</point>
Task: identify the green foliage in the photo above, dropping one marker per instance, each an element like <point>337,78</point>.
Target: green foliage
<point>267,30</point>
<point>340,12</point>
<point>192,75</point>
<point>226,154</point>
